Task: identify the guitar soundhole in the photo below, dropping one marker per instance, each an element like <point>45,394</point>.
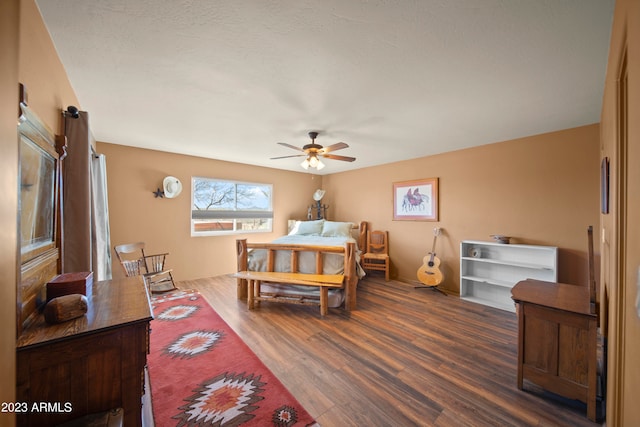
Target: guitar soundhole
<point>431,263</point>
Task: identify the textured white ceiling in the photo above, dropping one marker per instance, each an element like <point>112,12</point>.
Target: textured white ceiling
<point>395,79</point>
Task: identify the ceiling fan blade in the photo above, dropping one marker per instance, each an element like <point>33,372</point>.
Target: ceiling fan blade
<point>290,146</point>
<point>334,147</point>
<point>334,157</point>
<point>286,157</point>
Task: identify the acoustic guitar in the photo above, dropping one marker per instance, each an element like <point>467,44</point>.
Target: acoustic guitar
<point>429,273</point>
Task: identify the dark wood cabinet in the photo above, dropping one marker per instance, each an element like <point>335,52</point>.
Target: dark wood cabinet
<point>557,339</point>
<point>90,364</point>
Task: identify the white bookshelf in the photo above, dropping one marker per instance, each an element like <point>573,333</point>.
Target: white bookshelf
<point>489,270</point>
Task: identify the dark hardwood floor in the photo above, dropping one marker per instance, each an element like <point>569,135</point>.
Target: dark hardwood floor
<point>405,357</point>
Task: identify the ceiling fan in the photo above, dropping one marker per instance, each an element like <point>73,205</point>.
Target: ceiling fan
<point>314,151</point>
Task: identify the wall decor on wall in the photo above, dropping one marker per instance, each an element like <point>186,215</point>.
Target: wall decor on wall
<point>415,200</point>
<point>171,188</point>
<point>604,186</point>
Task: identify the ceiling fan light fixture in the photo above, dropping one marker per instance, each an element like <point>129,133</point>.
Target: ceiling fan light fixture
<point>313,152</point>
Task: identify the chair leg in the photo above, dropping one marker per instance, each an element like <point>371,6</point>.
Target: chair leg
<point>164,280</point>
<point>172,282</point>
<point>386,270</point>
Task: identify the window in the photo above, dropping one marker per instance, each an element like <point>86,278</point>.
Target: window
<point>223,207</point>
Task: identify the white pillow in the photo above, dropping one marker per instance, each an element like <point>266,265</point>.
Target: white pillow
<point>307,228</point>
<point>294,229</point>
<point>336,229</point>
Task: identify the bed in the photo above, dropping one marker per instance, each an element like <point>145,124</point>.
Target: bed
<point>311,247</point>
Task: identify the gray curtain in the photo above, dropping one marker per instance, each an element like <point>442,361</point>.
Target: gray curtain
<point>86,243</point>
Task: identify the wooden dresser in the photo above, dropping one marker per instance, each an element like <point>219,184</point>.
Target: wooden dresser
<point>90,364</point>
<point>557,339</point>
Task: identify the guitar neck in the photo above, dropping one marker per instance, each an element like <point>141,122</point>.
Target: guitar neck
<point>436,231</point>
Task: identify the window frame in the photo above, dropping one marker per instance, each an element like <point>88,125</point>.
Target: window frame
<point>234,215</point>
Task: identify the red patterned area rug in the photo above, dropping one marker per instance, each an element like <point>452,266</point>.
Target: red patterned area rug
<point>202,374</point>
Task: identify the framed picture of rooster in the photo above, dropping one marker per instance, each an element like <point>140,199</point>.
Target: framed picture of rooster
<point>415,200</point>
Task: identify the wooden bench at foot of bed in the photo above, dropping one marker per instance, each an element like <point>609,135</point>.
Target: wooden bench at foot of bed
<point>321,281</point>
<point>347,281</point>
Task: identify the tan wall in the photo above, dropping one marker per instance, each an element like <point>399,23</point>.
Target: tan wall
<point>164,224</point>
<point>41,71</point>
<point>621,244</point>
<point>541,190</point>
<point>9,15</point>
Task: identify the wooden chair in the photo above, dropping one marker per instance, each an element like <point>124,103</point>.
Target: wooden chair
<point>151,267</point>
<point>377,255</point>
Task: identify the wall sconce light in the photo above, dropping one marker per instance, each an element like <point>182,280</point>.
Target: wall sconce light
<point>171,188</point>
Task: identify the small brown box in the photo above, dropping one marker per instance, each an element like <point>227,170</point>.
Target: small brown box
<point>69,283</point>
